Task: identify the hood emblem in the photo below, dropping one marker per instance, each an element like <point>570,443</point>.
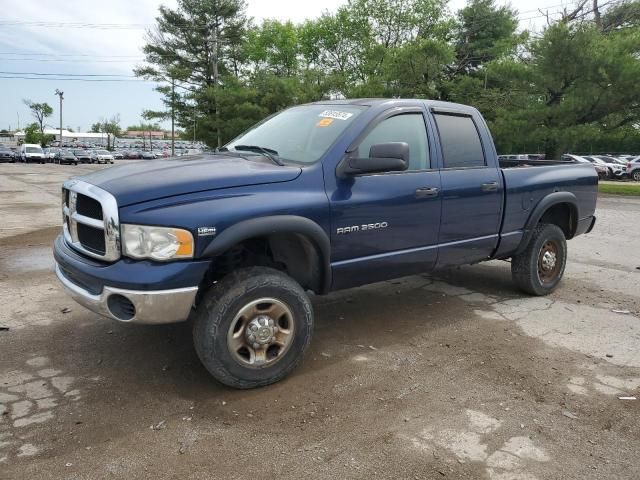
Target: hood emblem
<point>206,231</point>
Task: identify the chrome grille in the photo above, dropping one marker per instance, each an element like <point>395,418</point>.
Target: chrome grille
<point>90,220</point>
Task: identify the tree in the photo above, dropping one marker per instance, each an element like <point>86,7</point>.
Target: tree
<point>40,112</point>
<point>483,32</point>
<point>579,81</point>
<point>572,86</point>
<point>109,126</point>
<point>195,47</point>
<point>32,134</point>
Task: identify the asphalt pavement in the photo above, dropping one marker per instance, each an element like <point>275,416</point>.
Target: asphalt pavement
<point>452,375</point>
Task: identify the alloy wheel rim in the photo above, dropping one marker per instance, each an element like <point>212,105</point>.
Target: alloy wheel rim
<point>261,333</point>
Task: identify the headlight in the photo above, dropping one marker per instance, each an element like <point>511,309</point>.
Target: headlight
<point>156,243</point>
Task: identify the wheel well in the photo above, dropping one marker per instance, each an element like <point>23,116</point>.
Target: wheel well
<point>563,215</point>
<point>292,253</point>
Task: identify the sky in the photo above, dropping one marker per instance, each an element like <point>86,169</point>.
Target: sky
<point>91,37</point>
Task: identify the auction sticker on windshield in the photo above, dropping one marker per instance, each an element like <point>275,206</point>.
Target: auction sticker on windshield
<point>338,115</point>
<point>325,122</point>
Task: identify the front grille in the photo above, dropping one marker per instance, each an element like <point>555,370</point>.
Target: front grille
<point>88,207</point>
<point>91,238</point>
<point>90,220</point>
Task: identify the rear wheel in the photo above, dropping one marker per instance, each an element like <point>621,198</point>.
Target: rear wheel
<point>636,175</point>
<point>539,268</point>
<point>252,327</point>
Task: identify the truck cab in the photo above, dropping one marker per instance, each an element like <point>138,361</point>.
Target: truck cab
<point>318,197</point>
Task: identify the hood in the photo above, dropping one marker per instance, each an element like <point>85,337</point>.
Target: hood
<point>150,180</point>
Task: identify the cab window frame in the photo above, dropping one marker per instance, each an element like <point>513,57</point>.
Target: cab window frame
<point>387,114</point>
<point>435,112</point>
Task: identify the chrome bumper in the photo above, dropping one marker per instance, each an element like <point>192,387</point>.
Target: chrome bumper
<point>149,307</point>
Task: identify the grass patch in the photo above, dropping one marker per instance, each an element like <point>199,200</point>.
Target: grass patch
<point>620,188</point>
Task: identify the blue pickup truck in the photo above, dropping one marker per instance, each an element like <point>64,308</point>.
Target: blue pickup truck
<point>316,198</point>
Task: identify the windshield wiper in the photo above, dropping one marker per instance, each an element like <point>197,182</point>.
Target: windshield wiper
<point>267,152</point>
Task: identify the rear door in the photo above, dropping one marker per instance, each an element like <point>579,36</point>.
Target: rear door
<point>471,191</point>
<point>386,225</point>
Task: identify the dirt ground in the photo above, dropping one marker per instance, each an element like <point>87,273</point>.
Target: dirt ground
<point>456,375</point>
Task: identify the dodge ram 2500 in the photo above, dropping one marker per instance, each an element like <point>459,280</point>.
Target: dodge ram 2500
<point>316,198</point>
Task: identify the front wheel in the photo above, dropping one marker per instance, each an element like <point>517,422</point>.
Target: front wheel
<point>539,268</point>
<point>636,175</point>
<point>252,327</point>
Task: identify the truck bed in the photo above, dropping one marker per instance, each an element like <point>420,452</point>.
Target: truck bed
<point>531,180</point>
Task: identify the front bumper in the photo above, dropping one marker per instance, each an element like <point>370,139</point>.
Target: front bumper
<point>130,291</point>
<point>134,306</point>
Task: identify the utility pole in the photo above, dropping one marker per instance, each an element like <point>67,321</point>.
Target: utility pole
<point>18,114</point>
<point>173,103</point>
<point>60,94</point>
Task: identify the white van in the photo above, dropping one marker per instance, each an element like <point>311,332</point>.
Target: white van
<point>31,152</point>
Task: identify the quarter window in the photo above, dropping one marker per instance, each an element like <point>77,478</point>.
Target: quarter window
<point>461,147</point>
<point>409,128</point>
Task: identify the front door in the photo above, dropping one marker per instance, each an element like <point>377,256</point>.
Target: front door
<point>386,225</point>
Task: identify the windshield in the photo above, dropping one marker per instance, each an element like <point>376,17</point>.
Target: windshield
<point>299,134</point>
<point>103,152</point>
<point>33,150</point>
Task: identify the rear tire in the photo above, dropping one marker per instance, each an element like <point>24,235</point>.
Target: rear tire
<point>636,175</point>
<point>252,327</point>
<point>540,267</point>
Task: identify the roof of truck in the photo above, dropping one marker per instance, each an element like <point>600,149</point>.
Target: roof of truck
<point>377,102</point>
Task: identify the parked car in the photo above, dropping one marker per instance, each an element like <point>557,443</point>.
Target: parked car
<point>148,156</point>
<point>601,168</point>
<point>597,161</point>
<point>32,153</point>
<point>65,157</point>
<point>617,167</point>
<point>118,156</point>
<point>633,168</point>
<point>319,197</point>
<point>6,154</point>
<point>82,155</point>
<point>101,156</point>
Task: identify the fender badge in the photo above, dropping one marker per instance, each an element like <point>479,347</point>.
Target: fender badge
<point>206,231</point>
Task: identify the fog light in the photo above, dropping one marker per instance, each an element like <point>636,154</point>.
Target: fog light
<point>121,307</point>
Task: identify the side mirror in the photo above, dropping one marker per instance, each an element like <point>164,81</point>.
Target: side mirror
<point>383,157</point>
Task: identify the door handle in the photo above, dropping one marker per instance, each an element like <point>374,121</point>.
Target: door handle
<point>489,187</point>
<point>427,192</point>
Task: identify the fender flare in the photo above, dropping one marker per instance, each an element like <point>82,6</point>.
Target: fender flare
<point>541,208</point>
<point>270,225</point>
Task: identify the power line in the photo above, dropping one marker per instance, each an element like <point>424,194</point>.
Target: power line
<point>70,74</point>
<point>75,79</point>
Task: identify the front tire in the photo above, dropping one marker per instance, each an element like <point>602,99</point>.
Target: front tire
<point>540,267</point>
<point>636,175</point>
<point>252,327</point>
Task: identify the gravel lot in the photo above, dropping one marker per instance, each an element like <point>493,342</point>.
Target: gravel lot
<point>450,376</point>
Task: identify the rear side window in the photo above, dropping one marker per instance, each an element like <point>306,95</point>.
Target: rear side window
<point>407,127</point>
<point>460,142</point>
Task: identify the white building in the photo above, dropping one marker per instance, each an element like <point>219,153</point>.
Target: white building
<point>71,137</point>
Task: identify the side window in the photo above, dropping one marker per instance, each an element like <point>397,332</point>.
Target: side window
<point>408,127</point>
<point>460,141</point>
